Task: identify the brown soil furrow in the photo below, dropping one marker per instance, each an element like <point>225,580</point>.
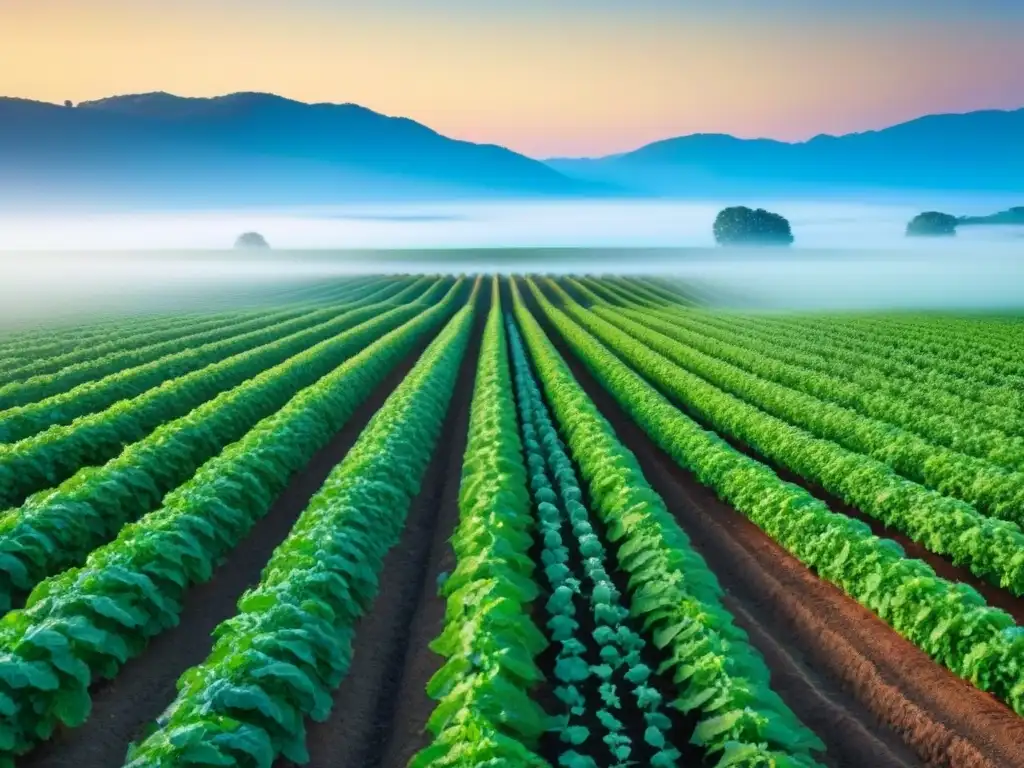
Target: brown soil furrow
<point>994,595</point>
<point>124,708</point>
<point>381,707</point>
<point>849,657</point>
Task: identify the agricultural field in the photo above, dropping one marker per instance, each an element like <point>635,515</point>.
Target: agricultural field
<point>453,521</point>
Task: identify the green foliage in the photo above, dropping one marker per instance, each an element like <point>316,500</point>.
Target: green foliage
<point>932,224</point>
<point>847,454</point>
<point>673,593</point>
<point>740,225</point>
<point>57,453</point>
<point>489,642</point>
<point>275,663</point>
<point>886,379</point>
<point>94,618</point>
<point>802,363</point>
<point>186,354</point>
<point>619,648</point>
<point>57,375</point>
<point>948,621</point>
<point>57,529</point>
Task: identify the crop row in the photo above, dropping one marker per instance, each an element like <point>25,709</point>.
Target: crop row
<point>650,294</point>
<point>275,663</point>
<point>938,338</point>
<point>21,384</point>
<point>53,455</point>
<point>949,621</point>
<point>929,390</point>
<point>965,425</point>
<point>993,549</point>
<point>723,681</point>
<point>30,347</point>
<point>26,420</point>
<point>940,417</point>
<point>57,529</point>
<point>489,641</point>
<point>976,380</point>
<point>56,375</point>
<point>588,615</point>
<point>85,623</point>
<point>992,489</point>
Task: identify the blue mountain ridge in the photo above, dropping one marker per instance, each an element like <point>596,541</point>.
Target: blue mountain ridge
<point>255,148</point>
<point>246,148</point>
<point>976,151</point>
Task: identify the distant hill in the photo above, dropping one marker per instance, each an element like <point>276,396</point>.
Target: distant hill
<point>247,148</point>
<point>1011,217</point>
<point>977,151</point>
<point>157,149</point>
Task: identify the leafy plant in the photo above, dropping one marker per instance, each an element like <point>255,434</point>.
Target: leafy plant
<point>85,623</point>
<point>190,355</point>
<point>52,456</point>
<point>949,621</point>
<point>993,549</point>
<point>672,591</point>
<point>484,712</point>
<point>276,662</point>
<point>621,672</point>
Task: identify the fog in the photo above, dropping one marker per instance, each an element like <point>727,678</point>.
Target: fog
<point>482,225</point>
<point>846,255</point>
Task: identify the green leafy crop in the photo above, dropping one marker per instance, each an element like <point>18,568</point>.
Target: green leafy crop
<point>85,623</point>
<point>275,663</point>
<point>949,621</point>
<point>620,672</point>
<point>485,715</point>
<point>673,593</point>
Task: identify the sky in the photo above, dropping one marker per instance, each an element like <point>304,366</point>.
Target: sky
<point>544,77</point>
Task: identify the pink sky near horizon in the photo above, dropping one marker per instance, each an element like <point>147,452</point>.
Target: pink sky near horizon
<point>589,81</point>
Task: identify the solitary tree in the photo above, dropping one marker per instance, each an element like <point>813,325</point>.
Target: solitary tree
<point>932,224</point>
<point>251,240</point>
<point>69,104</point>
<point>740,225</point>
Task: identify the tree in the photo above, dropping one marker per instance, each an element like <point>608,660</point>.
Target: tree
<point>740,225</point>
<point>251,240</point>
<point>1013,216</point>
<point>69,104</point>
<point>932,224</point>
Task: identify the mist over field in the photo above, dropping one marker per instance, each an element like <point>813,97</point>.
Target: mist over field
<point>470,224</point>
<point>846,255</point>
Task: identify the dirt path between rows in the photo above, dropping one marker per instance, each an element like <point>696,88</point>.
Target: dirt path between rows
<point>873,698</point>
<point>124,708</point>
<point>381,707</point>
<point>994,595</point>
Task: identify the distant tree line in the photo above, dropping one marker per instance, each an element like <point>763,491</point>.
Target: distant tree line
<point>937,224</point>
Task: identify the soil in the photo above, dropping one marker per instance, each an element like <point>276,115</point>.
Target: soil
<point>872,697</point>
<point>994,595</point>
<point>123,709</point>
<point>381,708</point>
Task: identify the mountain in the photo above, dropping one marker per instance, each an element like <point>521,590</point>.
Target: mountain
<point>246,148</point>
<point>976,151</point>
<point>159,150</point>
